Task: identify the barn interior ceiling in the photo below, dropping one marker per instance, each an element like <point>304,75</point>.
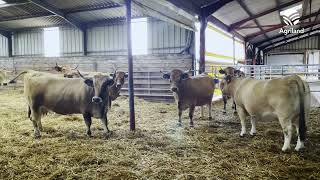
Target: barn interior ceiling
<point>255,21</point>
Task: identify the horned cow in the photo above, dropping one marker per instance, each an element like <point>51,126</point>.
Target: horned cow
<point>86,96</point>
<point>287,99</point>
<point>190,92</point>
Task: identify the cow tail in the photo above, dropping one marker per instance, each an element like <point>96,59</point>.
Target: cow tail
<point>14,79</point>
<point>302,117</point>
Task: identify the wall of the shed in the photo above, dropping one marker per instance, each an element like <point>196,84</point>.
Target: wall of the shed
<point>107,40</point>
<point>71,41</point>
<point>166,38</point>
<point>3,46</point>
<point>309,43</point>
<point>28,43</point>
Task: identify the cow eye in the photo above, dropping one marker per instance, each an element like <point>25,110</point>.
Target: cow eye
<point>89,82</point>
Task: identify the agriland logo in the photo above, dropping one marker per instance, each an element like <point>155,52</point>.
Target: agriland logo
<point>291,17</point>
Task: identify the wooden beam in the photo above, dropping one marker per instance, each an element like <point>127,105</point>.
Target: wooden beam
<point>239,23</point>
<point>245,8</point>
<point>130,67</point>
<point>203,25</point>
<point>223,26</point>
<point>210,9</point>
<point>57,12</point>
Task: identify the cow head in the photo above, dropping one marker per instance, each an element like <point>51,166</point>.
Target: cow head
<point>100,83</point>
<point>58,68</point>
<point>119,78</point>
<point>229,71</point>
<point>226,84</point>
<point>176,77</point>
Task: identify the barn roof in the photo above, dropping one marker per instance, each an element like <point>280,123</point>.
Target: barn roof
<point>256,21</point>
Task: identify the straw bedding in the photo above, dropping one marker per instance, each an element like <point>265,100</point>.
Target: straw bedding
<point>157,150</point>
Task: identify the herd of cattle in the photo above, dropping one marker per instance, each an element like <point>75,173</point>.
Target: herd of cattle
<point>91,94</point>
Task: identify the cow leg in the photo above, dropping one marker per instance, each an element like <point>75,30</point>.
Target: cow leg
<point>180,121</point>
<point>36,118</point>
<point>287,133</point>
<point>242,116</point>
<point>300,144</point>
<point>224,98</point>
<point>202,113</point>
<point>105,126</point>
<point>191,111</point>
<point>209,109</point>
<point>88,121</point>
<point>234,108</point>
<point>253,130</point>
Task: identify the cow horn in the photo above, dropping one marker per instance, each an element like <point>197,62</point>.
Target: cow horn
<point>81,75</point>
<point>76,67</point>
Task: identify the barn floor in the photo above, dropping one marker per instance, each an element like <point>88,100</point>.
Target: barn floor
<point>158,150</point>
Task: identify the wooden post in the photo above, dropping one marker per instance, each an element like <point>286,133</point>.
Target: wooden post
<point>130,67</point>
<point>203,25</point>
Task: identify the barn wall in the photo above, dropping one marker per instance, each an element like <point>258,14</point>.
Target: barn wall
<point>3,46</point>
<point>107,40</point>
<point>165,38</point>
<point>71,41</point>
<point>28,43</point>
<point>309,43</point>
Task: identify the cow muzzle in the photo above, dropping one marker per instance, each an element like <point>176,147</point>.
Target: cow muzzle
<point>118,85</point>
<point>96,99</point>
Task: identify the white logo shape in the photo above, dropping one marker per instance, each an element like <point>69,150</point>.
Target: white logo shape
<point>291,16</point>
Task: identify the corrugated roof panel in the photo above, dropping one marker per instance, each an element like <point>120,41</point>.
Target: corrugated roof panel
<point>250,31</point>
<point>270,19</point>
<point>90,16</point>
<point>20,10</point>
<point>231,13</point>
<point>69,4</point>
<point>258,6</point>
<point>33,22</point>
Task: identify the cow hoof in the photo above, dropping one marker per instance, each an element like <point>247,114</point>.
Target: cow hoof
<point>37,136</point>
<point>234,112</point>
<point>253,134</point>
<point>89,134</point>
<point>224,112</point>
<point>191,126</point>
<point>179,124</point>
<point>285,149</point>
<point>210,118</point>
<point>241,135</point>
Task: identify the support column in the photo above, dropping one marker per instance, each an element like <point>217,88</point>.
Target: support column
<point>130,67</point>
<point>203,25</point>
<point>9,45</point>
<point>85,42</point>
<point>234,50</point>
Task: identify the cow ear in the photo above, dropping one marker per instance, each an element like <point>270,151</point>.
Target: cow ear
<point>166,76</point>
<point>184,76</point>
<point>110,82</point>
<point>111,75</point>
<point>88,82</point>
<point>222,71</point>
<point>126,75</point>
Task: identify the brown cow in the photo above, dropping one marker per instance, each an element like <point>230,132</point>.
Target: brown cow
<point>86,96</point>
<point>67,71</point>
<point>234,73</point>
<point>191,91</point>
<point>287,99</point>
